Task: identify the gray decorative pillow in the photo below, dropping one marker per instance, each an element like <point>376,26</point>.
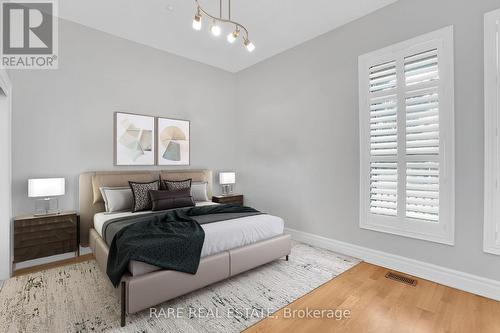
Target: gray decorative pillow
<point>176,185</point>
<point>199,191</point>
<point>140,191</point>
<point>117,199</point>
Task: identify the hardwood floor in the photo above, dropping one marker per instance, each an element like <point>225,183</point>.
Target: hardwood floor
<point>381,305</point>
<point>59,263</point>
<point>376,304</point>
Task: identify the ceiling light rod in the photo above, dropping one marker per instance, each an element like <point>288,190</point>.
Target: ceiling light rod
<point>197,24</point>
<point>220,18</point>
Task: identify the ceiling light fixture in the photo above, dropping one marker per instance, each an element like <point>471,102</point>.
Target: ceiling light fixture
<point>216,29</point>
<point>249,45</point>
<point>233,35</point>
<point>197,22</point>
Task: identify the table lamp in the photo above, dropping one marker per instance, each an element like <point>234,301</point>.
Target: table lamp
<point>45,190</point>
<point>227,179</point>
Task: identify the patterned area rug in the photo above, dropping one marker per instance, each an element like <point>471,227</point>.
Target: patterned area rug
<point>79,298</point>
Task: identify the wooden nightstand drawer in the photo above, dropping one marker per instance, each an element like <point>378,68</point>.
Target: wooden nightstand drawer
<point>236,199</point>
<point>39,238</point>
<point>38,221</point>
<point>41,228</point>
<point>42,236</point>
<point>45,250</point>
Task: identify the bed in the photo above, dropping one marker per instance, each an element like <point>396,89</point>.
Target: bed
<point>230,248</point>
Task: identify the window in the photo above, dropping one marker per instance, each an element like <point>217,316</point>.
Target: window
<point>407,138</point>
<point>491,145</point>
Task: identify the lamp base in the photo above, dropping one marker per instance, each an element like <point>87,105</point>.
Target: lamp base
<point>47,206</point>
<point>227,189</point>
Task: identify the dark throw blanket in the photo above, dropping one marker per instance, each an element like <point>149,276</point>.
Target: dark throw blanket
<point>171,240</point>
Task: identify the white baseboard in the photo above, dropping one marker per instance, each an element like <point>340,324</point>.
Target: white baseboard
<point>456,279</point>
<point>46,260</point>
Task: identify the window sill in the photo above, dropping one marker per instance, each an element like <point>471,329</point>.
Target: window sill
<point>492,249</point>
<point>447,239</point>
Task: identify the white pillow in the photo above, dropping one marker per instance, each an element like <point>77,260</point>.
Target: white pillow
<point>199,191</point>
<point>117,199</point>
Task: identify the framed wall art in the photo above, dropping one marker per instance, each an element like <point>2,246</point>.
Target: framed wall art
<point>173,142</point>
<point>134,139</point>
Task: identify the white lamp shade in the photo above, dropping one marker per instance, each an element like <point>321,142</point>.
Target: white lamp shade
<point>227,178</point>
<point>46,187</point>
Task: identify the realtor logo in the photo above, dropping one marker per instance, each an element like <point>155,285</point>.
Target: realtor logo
<point>29,34</point>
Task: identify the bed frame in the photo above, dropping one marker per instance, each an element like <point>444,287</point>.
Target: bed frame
<point>140,292</point>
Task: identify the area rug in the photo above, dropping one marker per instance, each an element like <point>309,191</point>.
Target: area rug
<point>79,298</point>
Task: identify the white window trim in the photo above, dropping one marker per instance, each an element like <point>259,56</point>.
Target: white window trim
<point>491,141</point>
<point>444,231</point>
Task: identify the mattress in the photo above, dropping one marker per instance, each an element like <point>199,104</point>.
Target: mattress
<point>219,236</point>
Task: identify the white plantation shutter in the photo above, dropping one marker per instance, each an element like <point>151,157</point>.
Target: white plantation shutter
<point>383,188</point>
<point>421,68</point>
<point>406,125</point>
<point>421,73</point>
<point>383,139</point>
<point>422,122</point>
<point>383,77</point>
<point>422,190</point>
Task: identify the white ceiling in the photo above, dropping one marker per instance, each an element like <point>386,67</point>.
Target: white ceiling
<point>274,25</point>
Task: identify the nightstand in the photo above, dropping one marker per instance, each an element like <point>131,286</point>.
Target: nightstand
<point>236,199</point>
<point>43,236</point>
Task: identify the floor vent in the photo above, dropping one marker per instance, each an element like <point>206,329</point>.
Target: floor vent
<point>401,278</point>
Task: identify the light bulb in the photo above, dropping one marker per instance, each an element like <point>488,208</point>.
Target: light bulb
<point>249,45</point>
<point>197,22</point>
<point>233,35</point>
<point>215,29</point>
<point>231,38</point>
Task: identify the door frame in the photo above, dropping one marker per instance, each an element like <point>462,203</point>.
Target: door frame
<point>491,232</point>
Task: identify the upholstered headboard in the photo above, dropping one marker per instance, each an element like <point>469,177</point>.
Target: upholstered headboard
<point>91,201</point>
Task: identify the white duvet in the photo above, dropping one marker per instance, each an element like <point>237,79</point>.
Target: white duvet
<point>224,235</point>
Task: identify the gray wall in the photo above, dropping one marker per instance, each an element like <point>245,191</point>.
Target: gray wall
<point>298,131</point>
<point>5,176</point>
<point>63,119</point>
<point>289,126</point>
